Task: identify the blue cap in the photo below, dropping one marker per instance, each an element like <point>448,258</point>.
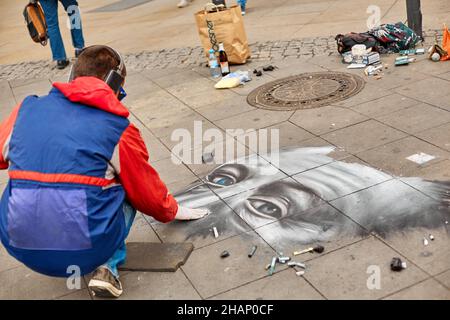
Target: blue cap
<point>211,50</point>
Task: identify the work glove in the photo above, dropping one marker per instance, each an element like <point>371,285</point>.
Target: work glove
<point>190,214</point>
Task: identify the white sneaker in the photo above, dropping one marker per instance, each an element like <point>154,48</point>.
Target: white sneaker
<point>183,3</point>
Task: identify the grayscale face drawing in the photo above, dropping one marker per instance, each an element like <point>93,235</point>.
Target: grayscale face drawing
<point>313,198</point>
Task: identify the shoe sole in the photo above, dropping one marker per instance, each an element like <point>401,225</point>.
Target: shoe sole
<point>104,289</point>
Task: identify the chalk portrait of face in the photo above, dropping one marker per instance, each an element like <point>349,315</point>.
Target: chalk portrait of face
<point>312,198</point>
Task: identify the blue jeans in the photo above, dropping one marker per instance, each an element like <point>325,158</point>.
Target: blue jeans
<point>242,3</point>
<point>51,16</point>
<point>120,255</point>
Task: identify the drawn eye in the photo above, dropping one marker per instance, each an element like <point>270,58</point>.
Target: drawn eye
<point>227,175</point>
<point>268,207</point>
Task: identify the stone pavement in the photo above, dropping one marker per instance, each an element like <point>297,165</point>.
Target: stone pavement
<point>404,113</point>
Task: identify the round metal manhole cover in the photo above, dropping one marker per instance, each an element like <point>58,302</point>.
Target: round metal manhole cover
<point>306,91</point>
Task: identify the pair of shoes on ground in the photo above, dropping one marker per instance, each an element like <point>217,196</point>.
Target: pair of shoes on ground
<point>183,3</point>
<point>104,284</point>
<point>61,64</point>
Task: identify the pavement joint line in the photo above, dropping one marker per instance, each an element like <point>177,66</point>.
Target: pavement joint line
<point>405,288</point>
<point>435,277</point>
<point>190,282</point>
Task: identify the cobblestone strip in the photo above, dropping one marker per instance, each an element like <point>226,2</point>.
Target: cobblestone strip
<point>190,57</point>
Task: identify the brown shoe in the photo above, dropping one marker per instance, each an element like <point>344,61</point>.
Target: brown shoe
<point>104,284</point>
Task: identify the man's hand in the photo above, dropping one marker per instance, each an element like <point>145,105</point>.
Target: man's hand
<point>190,214</point>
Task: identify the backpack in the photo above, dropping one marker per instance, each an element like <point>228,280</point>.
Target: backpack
<point>35,20</point>
<point>347,41</point>
<point>395,37</point>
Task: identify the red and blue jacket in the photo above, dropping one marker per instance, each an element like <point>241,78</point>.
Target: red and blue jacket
<point>73,158</point>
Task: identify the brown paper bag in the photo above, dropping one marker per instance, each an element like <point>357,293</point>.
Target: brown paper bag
<point>228,28</point>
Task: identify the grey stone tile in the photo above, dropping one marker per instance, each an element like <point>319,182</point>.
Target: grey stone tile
<point>189,122</point>
<point>427,290</point>
<point>290,135</point>
<point>444,278</point>
<point>369,93</point>
<point>171,172</point>
<point>363,136</point>
<point>392,157</point>
<point>77,295</point>
<point>392,78</point>
<point>39,88</point>
<point>428,87</point>
<point>178,79</point>
<point>326,119</point>
<point>256,82</point>
<point>255,119</point>
<point>141,231</point>
<point>416,118</point>
<point>390,208</point>
<point>215,275</point>
<point>345,273</point>
<point>284,285</point>
<point>22,283</point>
<point>428,67</point>
<point>439,136</point>
<point>433,258</point>
<point>200,232</point>
<point>384,105</point>
<point>321,224</point>
<point>157,286</point>
<point>177,186</point>
<point>337,179</point>
<point>225,108</point>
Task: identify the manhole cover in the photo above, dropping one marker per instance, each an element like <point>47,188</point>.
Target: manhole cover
<point>306,91</point>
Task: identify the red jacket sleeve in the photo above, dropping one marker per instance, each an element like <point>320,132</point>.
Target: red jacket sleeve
<point>5,134</point>
<point>143,186</point>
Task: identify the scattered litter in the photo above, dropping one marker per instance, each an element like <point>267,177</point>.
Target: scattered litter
<point>421,158</point>
<point>283,259</point>
<point>208,157</point>
<point>267,267</point>
<point>252,251</point>
<point>300,273</point>
<point>425,241</point>
<point>357,66</point>
<point>269,68</point>
<point>397,264</point>
<point>435,57</point>
<point>446,222</point>
<point>412,51</point>
<point>258,73</point>
<point>224,254</point>
<point>373,70</point>
<point>371,58</point>
<point>317,249</point>
<point>431,237</point>
<point>216,234</point>
<point>272,265</point>
<point>233,80</point>
<point>403,60</point>
<point>296,264</point>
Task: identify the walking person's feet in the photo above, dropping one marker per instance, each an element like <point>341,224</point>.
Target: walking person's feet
<point>242,3</point>
<point>78,52</point>
<point>61,64</point>
<point>105,284</point>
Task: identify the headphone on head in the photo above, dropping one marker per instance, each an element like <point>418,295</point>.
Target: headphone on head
<point>114,78</point>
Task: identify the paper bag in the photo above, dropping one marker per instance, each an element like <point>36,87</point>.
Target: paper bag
<point>227,28</point>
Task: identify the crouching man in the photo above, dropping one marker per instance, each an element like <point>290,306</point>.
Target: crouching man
<point>78,172</point>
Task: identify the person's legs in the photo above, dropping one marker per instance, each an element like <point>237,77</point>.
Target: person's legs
<point>105,280</point>
<point>51,17</point>
<point>73,11</point>
<point>120,255</point>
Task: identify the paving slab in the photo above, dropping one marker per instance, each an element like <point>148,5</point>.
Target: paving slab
<point>211,274</point>
<point>444,278</point>
<point>171,172</point>
<point>77,295</point>
<point>226,108</point>
<point>345,273</point>
<point>384,105</point>
<point>326,119</point>
<point>7,261</point>
<point>392,157</point>
<point>255,119</point>
<point>428,87</point>
<point>141,231</point>
<point>22,283</point>
<point>438,136</point>
<point>156,256</point>
<point>363,136</point>
<point>416,118</point>
<point>429,289</point>
<point>284,285</point>
<point>157,286</point>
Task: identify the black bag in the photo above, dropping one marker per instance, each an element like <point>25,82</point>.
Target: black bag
<point>347,41</point>
<point>35,20</point>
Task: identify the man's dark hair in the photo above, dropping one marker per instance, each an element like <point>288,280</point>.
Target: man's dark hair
<point>96,61</point>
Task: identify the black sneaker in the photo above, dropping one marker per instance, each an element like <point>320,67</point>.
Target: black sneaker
<point>61,64</point>
<point>104,284</point>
